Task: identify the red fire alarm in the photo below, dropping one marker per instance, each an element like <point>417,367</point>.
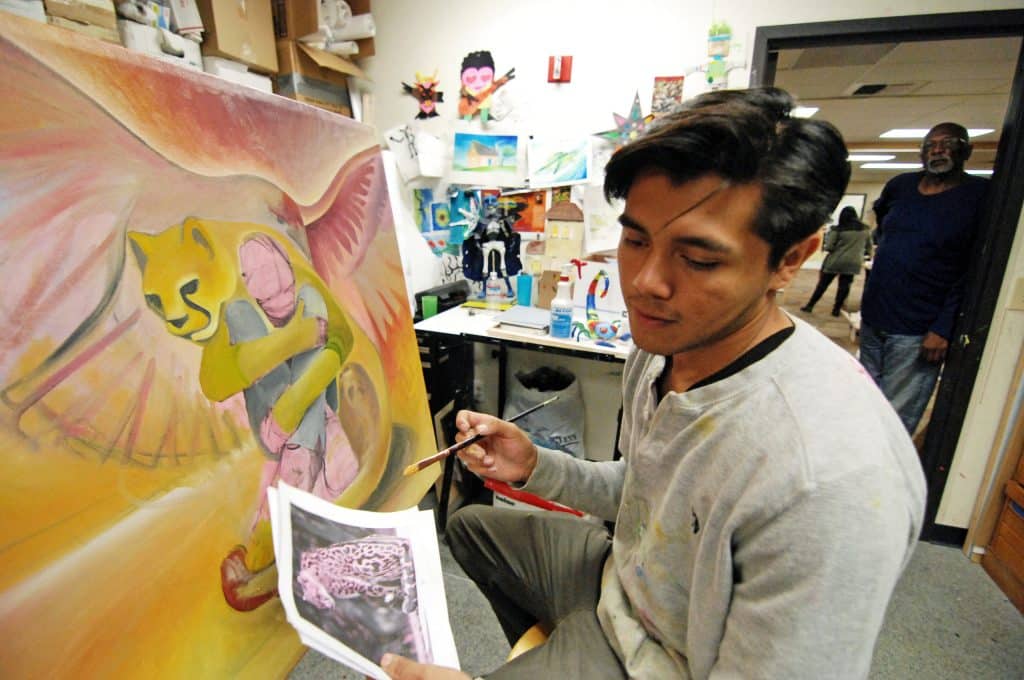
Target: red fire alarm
<point>559,69</point>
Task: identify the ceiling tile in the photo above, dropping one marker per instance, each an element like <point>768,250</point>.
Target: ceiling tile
<point>848,55</point>
<point>968,86</point>
<point>953,51</point>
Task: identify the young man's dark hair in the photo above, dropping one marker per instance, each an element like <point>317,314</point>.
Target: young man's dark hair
<point>746,136</point>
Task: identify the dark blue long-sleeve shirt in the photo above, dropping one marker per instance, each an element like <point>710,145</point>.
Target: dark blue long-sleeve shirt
<point>917,277</point>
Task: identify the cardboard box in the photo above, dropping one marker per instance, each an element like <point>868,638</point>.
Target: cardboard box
<point>185,16</point>
<point>294,19</point>
<point>240,29</point>
<point>547,288</point>
<point>100,32</point>
<point>315,92</point>
<point>315,77</point>
<point>94,12</point>
<point>160,43</point>
<point>294,57</point>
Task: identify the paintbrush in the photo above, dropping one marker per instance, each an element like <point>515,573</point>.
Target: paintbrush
<point>441,455</point>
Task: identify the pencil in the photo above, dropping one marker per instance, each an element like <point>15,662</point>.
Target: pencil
<point>444,453</point>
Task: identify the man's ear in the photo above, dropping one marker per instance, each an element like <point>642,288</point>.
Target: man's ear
<point>141,246</point>
<point>967,151</point>
<point>794,259</point>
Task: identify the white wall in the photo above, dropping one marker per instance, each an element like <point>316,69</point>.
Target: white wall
<point>617,48</point>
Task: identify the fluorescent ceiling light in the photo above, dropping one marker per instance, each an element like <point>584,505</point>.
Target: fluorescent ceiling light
<point>919,133</point>
<point>870,149</point>
<point>891,166</point>
<point>904,133</point>
<point>804,111</point>
<point>855,157</point>
<point>984,173</point>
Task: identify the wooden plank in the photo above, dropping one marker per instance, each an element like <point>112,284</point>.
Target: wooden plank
<point>1012,548</point>
<point>1015,492</point>
<point>987,507</point>
<point>1012,522</point>
<point>1010,585</point>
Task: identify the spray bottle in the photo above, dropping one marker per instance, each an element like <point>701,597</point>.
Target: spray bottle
<point>561,305</point>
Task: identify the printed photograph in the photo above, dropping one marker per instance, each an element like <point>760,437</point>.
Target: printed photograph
<point>358,586</point>
<point>668,91</point>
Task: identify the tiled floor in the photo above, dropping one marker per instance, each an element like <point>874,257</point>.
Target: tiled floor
<point>946,620</point>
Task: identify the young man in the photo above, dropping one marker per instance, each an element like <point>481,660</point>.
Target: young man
<point>926,226</point>
<point>755,534</point>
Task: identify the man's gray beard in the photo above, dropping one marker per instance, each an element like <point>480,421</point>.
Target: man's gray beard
<point>943,167</point>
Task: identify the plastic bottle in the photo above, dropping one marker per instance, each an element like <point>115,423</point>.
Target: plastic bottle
<point>494,293</point>
<point>524,289</point>
<point>561,305</point>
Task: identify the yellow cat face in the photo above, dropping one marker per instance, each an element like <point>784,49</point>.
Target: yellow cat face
<point>184,278</point>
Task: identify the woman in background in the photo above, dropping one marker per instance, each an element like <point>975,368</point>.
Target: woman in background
<point>847,244</point>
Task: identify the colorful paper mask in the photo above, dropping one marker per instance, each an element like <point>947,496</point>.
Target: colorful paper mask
<point>478,84</point>
<point>426,93</point>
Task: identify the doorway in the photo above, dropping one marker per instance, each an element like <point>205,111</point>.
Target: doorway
<point>999,219</point>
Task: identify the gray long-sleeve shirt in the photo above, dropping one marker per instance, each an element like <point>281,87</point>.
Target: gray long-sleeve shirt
<point>762,521</point>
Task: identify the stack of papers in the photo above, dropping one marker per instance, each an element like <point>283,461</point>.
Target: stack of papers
<point>532,318</point>
<point>358,584</point>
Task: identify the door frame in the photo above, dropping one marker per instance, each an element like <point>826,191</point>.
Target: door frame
<point>998,221</point>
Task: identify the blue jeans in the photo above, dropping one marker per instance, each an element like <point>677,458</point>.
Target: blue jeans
<point>895,364</point>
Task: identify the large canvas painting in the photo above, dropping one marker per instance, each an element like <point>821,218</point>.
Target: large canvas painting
<point>202,296</point>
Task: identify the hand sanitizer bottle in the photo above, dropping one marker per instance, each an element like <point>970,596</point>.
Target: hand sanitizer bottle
<point>494,292</point>
<point>561,306</point>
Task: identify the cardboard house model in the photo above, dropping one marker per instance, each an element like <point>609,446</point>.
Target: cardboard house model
<point>563,234</point>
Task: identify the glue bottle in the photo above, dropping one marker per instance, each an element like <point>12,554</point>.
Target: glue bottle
<point>561,305</point>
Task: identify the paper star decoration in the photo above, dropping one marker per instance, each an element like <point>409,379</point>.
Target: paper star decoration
<point>628,129</point>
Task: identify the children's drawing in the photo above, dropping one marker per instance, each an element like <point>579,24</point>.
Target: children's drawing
<point>528,207</point>
<point>478,84</point>
<point>555,161</point>
<point>441,215</point>
<point>627,128</point>
<point>485,159</point>
<point>201,303</point>
<point>422,212</point>
<point>402,142</point>
<point>601,221</point>
<point>426,93</point>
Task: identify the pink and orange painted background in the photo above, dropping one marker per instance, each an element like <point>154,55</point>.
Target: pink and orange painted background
<point>133,447</point>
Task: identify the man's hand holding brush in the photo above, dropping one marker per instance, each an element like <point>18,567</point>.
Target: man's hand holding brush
<point>505,453</point>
